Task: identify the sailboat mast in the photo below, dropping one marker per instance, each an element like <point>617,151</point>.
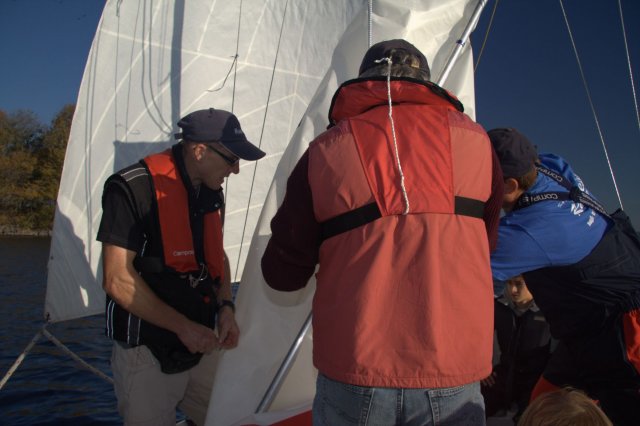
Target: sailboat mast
<point>462,42</point>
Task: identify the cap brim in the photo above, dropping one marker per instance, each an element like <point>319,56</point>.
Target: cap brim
<point>244,149</point>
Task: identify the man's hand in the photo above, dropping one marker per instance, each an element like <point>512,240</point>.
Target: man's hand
<point>228,331</point>
<point>198,338</point>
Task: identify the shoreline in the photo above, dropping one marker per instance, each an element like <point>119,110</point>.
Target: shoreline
<point>12,232</point>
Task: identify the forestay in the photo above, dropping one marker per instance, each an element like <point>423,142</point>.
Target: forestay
<point>269,321</point>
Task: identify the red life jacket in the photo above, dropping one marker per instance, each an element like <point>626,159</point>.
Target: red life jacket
<point>173,214</point>
<point>405,300</point>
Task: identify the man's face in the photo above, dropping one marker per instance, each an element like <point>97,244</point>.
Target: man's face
<point>517,291</point>
<point>218,164</point>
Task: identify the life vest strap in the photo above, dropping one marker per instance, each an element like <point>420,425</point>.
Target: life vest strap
<point>370,212</point>
<point>469,207</point>
<point>350,220</point>
<point>575,194</point>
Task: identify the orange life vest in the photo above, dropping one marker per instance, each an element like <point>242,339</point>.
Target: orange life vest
<point>405,300</point>
<point>173,214</point>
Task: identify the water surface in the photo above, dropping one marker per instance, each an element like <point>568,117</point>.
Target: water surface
<point>49,388</point>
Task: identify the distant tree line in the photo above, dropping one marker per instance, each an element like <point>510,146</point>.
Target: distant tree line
<point>31,157</point>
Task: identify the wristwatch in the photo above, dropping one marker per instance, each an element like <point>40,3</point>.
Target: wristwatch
<point>229,303</point>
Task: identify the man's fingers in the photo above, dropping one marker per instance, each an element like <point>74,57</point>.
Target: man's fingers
<point>224,332</point>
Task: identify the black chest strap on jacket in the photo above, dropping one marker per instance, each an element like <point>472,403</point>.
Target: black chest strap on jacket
<point>370,212</point>
<point>350,220</point>
<point>574,194</point>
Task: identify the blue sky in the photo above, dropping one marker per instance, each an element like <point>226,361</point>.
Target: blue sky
<point>44,46</point>
<point>527,77</point>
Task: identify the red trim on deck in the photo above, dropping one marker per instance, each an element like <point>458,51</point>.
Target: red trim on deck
<point>302,419</point>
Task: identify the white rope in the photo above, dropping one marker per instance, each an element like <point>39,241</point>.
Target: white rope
<point>20,358</point>
<point>593,110</point>
<point>82,362</point>
<point>626,49</point>
<point>393,132</point>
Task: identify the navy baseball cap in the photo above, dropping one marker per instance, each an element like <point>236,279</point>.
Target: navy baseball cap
<point>383,50</point>
<point>516,154</point>
<point>216,125</point>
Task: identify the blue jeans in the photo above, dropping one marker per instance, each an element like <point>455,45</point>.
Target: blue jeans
<point>339,403</point>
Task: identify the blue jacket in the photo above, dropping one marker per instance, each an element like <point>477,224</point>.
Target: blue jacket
<point>550,233</point>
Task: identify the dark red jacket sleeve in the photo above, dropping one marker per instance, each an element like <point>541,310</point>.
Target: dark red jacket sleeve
<point>292,252</point>
<point>494,204</point>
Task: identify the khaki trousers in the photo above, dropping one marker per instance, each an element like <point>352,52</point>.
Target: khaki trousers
<point>148,397</point>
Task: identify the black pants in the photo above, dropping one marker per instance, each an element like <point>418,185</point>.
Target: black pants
<point>599,366</point>
<point>587,305</point>
<point>501,396</point>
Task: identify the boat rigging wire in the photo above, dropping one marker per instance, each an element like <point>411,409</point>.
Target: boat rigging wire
<point>626,49</point>
<point>21,358</point>
<point>234,68</point>
<point>235,61</point>
<point>593,110</point>
<point>486,35</point>
<point>69,352</point>
<point>264,121</point>
<point>60,345</point>
<point>370,30</point>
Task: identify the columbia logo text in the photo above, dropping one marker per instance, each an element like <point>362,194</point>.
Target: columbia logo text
<point>540,197</point>
<point>555,175</point>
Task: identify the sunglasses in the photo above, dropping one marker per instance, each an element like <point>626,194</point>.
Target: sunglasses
<point>232,161</point>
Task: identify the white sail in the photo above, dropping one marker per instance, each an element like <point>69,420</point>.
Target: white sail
<point>150,63</point>
<point>269,320</point>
